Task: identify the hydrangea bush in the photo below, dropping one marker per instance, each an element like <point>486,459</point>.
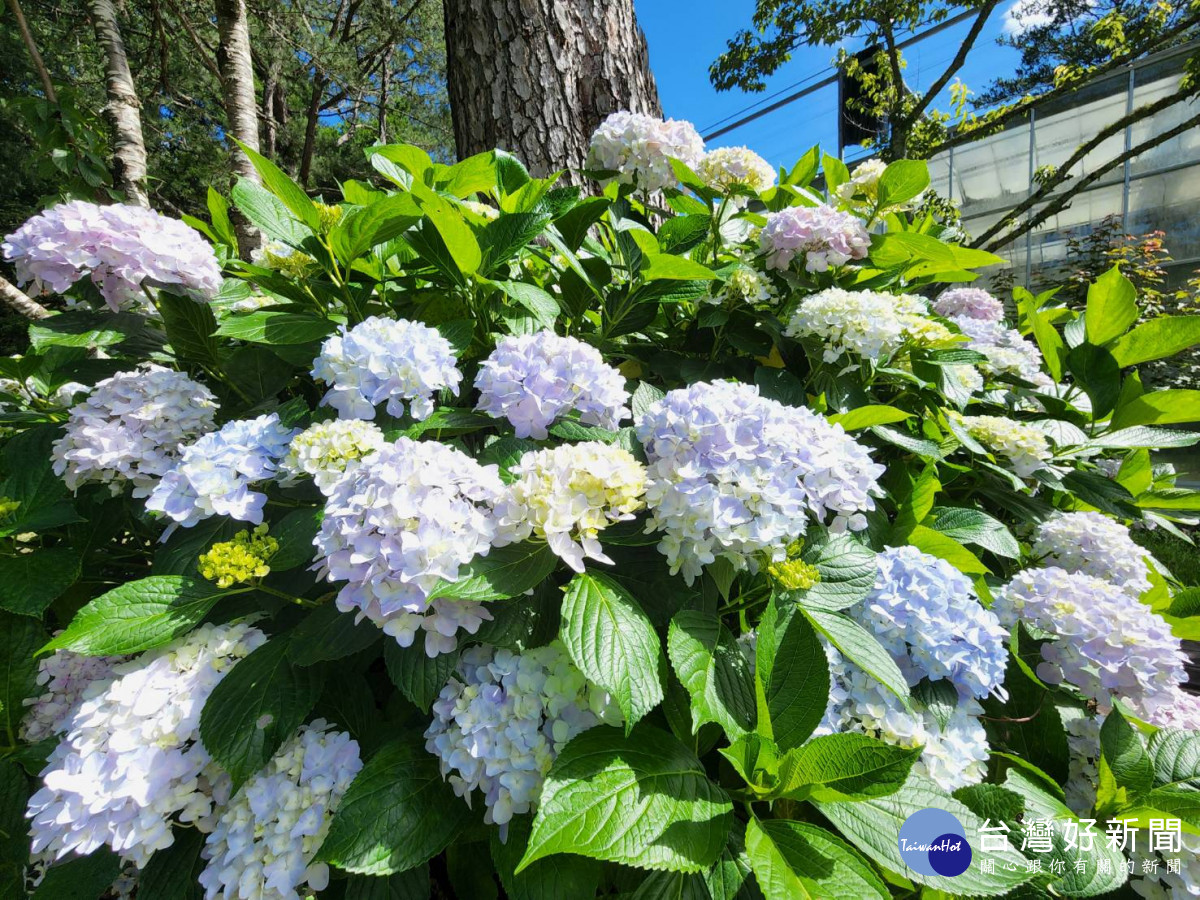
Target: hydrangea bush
<point>488,536</point>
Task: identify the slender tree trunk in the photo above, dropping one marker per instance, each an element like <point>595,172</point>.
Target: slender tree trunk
<point>385,77</point>
<point>270,125</point>
<point>19,301</point>
<point>34,55</point>
<point>535,77</point>
<point>310,127</point>
<point>123,109</point>
<point>241,106</point>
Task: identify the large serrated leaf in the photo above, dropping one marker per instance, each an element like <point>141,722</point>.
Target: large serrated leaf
<point>714,670</point>
<point>791,675</point>
<point>29,582</point>
<point>20,637</point>
<point>505,572</point>
<point>846,766</point>
<point>1176,758</point>
<point>564,877</point>
<point>798,861</point>
<point>846,568</point>
<point>973,526</point>
<point>419,676</point>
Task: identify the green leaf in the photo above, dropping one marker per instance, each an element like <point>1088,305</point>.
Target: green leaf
<point>1047,337</point>
<point>973,526</point>
<point>398,813</point>
<point>190,328</point>
<point>1170,407</point>
<point>573,225</point>
<point>664,266</point>
<point>558,879</point>
<point>1157,339</point>
<point>846,568</point>
<point>539,303</point>
<point>941,545</point>
<point>505,572</point>
<point>1125,756</point>
<point>419,676</point>
<point>866,416</point>
<point>730,878</point>
<point>794,674</point>
<point>1098,374</point>
<point>20,637</point>
<point>138,616</point>
<point>377,223</point>
<point>267,213</point>
<point>508,234</point>
<point>612,642</point>
<point>902,180</point>
<point>80,878</point>
<point>1111,306</point>
<point>1176,756</point>
<point>256,707</point>
<point>171,873</point>
<point>1141,436</point>
<point>267,326</point>
<point>1185,603</point>
<point>279,184</point>
<point>327,634</point>
<point>836,173</point>
<point>411,884</point>
<point>30,582</point>
<point>84,328</point>
<point>641,800</point>
<point>846,767</point>
<point>798,861</point>
<point>714,670</point>
<point>861,648</point>
<point>295,533</point>
<point>873,826</point>
<point>455,232</point>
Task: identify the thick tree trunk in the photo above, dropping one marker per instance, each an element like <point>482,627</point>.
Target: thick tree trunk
<point>535,77</point>
<point>123,109</point>
<point>241,105</point>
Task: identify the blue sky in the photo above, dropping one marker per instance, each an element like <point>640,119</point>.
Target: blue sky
<point>685,36</point>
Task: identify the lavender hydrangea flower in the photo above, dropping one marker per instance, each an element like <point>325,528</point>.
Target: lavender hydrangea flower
<point>386,361</point>
<point>411,514</point>
<point>121,248</point>
<point>131,761</point>
<point>68,678</point>
<point>265,839</point>
<point>640,148</point>
<point>214,475</point>
<point>504,717</point>
<point>1108,644</point>
<point>1007,352</point>
<point>131,427</point>
<point>535,379</point>
<point>735,475</point>
<point>968,303</point>
<point>924,611</point>
<point>1092,543</point>
<point>825,236</point>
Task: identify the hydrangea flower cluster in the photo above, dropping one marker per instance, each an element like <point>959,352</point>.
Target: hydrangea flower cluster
<point>1109,644</point>
<point>734,474</point>
<point>503,718</point>
<point>744,285</point>
<point>411,515</point>
<point>640,148</point>
<point>924,611</point>
<point>825,236</point>
<point>968,303</point>
<point>1094,544</point>
<point>265,839</point>
<point>130,428</point>
<point>1158,882</point>
<point>328,450</point>
<point>1007,352</point>
<point>864,181</point>
<point>123,249</point>
<point>239,561</point>
<point>67,678</point>
<point>728,167</point>
<point>1025,448</point>
<point>213,476</point>
<point>568,495</point>
<point>955,752</point>
<point>859,323</point>
<point>386,361</point>
<point>132,760</point>
<point>535,379</point>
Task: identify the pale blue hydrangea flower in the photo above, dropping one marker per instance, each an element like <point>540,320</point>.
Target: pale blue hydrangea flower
<point>925,612</point>
<point>533,380</point>
<point>411,514</point>
<point>503,718</point>
<point>1092,543</point>
<point>214,475</point>
<point>386,361</point>
<point>733,474</point>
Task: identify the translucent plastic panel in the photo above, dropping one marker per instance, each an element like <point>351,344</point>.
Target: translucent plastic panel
<point>1182,148</point>
<point>993,172</point>
<point>1060,136</point>
<point>1168,203</point>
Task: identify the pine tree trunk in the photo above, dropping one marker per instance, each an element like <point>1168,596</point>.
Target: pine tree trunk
<point>535,77</point>
<point>241,104</point>
<point>123,108</point>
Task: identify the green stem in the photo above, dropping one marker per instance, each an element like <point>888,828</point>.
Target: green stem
<point>291,598</point>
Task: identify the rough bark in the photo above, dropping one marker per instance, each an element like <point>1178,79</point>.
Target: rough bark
<point>34,56</point>
<point>270,125</point>
<point>123,109</point>
<point>310,128</point>
<point>241,105</point>
<point>535,77</point>
<point>18,300</point>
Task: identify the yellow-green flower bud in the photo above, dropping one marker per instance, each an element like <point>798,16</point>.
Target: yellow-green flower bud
<point>241,560</point>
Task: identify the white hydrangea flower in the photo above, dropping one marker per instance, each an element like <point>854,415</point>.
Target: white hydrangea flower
<point>131,761</point>
<point>480,209</point>
<point>968,303</point>
<point>640,149</point>
<point>1109,645</point>
<point>744,285</point>
<point>728,167</point>
<point>131,428</point>
<point>1007,352</point>
<point>328,450</point>
<point>68,678</point>
<point>213,476</point>
<point>264,841</point>
<point>386,361</point>
<point>535,379</point>
<point>568,495</point>
<point>736,475</point>
<point>864,181</point>
<point>1092,543</point>
<point>122,248</point>
<point>1025,448</point>
<point>1161,883</point>
<point>824,236</point>
<point>410,515</point>
<point>503,719</point>
<point>861,323</point>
